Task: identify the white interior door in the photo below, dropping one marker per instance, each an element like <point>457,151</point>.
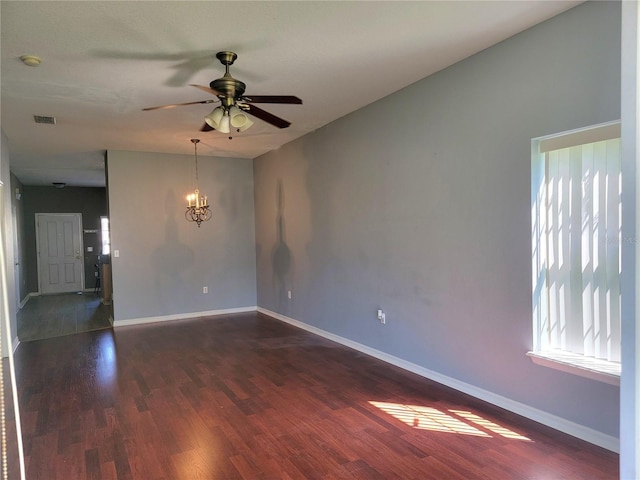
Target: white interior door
<point>60,254</point>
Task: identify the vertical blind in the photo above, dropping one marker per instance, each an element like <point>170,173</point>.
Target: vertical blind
<point>582,211</point>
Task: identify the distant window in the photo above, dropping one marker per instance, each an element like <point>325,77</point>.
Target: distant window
<point>576,218</point>
<point>104,231</point>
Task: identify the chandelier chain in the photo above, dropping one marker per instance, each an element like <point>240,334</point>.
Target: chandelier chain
<point>195,146</point>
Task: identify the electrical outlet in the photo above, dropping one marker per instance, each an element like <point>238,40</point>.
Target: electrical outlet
<point>289,294</point>
<point>382,316</point>
<point>205,289</point>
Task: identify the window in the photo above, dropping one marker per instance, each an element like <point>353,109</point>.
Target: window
<point>104,234</point>
<point>576,213</point>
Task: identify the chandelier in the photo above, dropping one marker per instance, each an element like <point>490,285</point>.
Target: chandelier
<point>197,206</point>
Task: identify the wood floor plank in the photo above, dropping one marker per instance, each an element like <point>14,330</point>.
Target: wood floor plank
<point>245,396</point>
<point>108,471</point>
<point>92,464</point>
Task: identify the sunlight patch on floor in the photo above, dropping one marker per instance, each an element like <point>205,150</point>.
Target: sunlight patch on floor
<point>494,427</point>
<point>429,418</point>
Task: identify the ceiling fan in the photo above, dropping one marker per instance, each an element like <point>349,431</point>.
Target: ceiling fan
<point>234,104</point>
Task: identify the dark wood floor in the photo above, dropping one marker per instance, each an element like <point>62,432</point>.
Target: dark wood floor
<point>48,316</point>
<point>246,396</point>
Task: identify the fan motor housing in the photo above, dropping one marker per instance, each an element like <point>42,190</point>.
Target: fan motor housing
<point>231,87</point>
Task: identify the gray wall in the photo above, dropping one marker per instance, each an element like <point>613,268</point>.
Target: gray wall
<point>91,202</point>
<point>420,204</point>
<point>164,260</point>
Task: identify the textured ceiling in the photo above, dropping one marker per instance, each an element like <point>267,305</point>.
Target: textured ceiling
<point>104,61</point>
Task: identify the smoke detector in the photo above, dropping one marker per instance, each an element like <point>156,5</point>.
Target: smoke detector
<point>30,60</point>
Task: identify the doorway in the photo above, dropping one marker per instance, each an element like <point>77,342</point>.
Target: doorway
<point>68,297</point>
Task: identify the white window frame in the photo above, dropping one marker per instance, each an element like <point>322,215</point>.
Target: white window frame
<point>584,365</point>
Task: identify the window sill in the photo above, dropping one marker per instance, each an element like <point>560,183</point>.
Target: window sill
<point>595,369</point>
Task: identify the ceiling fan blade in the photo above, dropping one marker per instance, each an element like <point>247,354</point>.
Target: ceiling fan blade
<point>266,116</point>
<point>178,105</point>
<point>272,99</point>
<point>208,90</point>
<point>206,127</point>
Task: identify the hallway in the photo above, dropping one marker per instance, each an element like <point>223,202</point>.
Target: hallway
<point>48,316</point>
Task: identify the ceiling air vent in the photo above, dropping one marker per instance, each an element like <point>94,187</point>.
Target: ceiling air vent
<point>44,119</point>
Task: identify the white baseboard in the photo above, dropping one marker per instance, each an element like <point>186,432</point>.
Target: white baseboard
<point>28,297</point>
<point>558,423</point>
<point>180,316</point>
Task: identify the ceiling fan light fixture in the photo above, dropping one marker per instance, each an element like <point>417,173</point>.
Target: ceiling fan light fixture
<point>213,119</point>
<point>246,125</point>
<point>225,123</point>
<point>238,118</point>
